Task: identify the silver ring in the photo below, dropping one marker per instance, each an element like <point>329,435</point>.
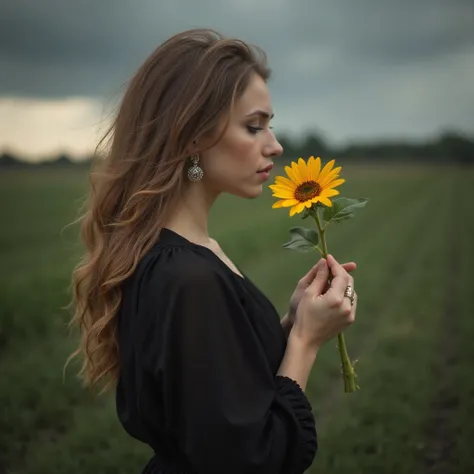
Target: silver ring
<point>349,292</point>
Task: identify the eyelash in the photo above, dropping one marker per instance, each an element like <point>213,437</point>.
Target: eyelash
<point>255,130</point>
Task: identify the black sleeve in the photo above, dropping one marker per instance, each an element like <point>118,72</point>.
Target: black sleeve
<point>221,402</point>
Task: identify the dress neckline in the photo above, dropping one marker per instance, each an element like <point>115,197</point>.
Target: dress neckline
<point>170,237</point>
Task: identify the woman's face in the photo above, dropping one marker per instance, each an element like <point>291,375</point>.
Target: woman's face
<point>234,165</point>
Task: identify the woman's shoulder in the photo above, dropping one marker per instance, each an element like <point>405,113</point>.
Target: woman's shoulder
<point>174,260</point>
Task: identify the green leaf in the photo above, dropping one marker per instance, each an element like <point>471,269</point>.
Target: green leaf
<point>302,239</point>
<point>343,208</point>
<point>310,235</point>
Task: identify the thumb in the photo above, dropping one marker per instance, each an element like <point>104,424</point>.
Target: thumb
<point>320,280</point>
<point>309,277</point>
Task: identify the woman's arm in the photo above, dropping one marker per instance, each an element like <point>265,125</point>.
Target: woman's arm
<point>286,325</point>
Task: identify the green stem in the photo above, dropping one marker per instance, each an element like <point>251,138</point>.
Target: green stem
<point>322,234</point>
<point>319,249</point>
<point>348,371</point>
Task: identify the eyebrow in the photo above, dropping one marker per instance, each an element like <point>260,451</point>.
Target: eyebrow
<point>262,113</point>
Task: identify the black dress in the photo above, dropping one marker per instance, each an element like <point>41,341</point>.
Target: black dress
<point>199,348</point>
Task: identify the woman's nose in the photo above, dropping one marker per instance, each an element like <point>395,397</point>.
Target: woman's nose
<point>274,148</point>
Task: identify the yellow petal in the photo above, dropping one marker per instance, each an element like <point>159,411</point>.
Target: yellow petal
<point>291,174</point>
<point>303,170</point>
<point>315,168</point>
<point>296,209</point>
<point>285,182</point>
<point>284,193</point>
<point>299,207</point>
<point>325,201</point>
<point>284,203</point>
<point>276,188</point>
<point>335,183</point>
<point>296,172</point>
<point>329,193</point>
<point>277,204</point>
<point>308,204</point>
<point>309,165</point>
<point>325,171</point>
<point>330,176</point>
<point>279,187</point>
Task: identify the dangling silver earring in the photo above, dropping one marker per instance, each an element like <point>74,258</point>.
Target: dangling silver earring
<point>195,172</point>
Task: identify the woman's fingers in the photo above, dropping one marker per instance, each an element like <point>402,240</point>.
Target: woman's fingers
<point>306,280</point>
<point>349,267</point>
<point>317,285</point>
<point>340,275</point>
<point>341,279</point>
<point>309,277</point>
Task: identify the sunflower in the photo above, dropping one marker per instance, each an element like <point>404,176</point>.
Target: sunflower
<point>308,184</point>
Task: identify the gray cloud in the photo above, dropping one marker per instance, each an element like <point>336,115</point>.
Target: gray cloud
<point>329,56</point>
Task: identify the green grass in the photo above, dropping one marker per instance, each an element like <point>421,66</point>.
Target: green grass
<point>412,338</point>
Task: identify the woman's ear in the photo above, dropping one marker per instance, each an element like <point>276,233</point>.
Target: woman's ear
<point>192,149</point>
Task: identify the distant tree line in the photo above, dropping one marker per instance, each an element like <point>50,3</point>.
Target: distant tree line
<point>448,148</point>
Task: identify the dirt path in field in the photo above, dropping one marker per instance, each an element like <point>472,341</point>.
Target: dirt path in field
<point>438,454</point>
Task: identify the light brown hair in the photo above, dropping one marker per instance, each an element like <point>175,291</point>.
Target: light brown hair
<point>183,92</point>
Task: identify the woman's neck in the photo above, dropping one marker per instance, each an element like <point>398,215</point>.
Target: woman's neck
<point>191,214</point>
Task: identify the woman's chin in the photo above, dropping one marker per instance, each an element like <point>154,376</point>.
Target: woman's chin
<point>253,192</point>
<point>248,192</point>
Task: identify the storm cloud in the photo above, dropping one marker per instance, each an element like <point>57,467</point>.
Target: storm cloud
<point>352,69</point>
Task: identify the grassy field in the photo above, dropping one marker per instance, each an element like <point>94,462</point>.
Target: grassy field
<point>413,337</point>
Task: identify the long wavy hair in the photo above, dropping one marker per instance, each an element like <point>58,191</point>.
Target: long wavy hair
<point>184,91</point>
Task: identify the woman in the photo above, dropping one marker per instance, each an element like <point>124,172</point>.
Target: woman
<point>204,370</point>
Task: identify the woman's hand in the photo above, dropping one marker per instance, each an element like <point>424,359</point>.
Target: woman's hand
<point>303,283</point>
<point>321,316</point>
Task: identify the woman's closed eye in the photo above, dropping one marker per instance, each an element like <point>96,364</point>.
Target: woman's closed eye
<point>254,130</point>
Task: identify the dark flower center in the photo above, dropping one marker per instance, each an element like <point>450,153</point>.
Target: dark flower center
<point>307,190</point>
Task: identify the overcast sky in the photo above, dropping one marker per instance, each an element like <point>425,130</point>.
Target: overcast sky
<point>355,70</point>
